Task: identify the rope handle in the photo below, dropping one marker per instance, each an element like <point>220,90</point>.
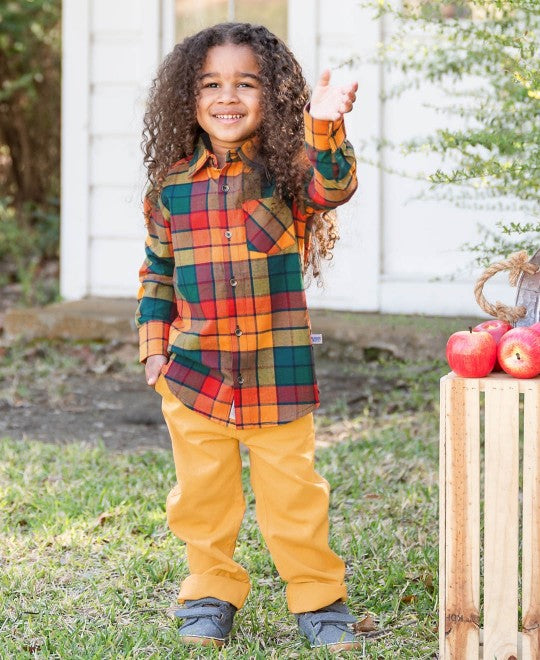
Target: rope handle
<point>517,263</point>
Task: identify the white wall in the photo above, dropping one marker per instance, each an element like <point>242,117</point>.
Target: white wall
<point>352,278</point>
<point>424,268</point>
<point>111,52</point>
<point>75,157</point>
<point>396,254</point>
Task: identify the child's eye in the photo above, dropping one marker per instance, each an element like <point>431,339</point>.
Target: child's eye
<point>245,84</point>
<point>211,85</point>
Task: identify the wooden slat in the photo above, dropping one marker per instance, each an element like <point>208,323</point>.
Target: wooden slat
<point>442,516</point>
<point>462,519</point>
<point>531,523</point>
<point>501,519</point>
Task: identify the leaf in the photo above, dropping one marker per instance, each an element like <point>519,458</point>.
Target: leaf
<point>372,496</point>
<point>103,517</point>
<point>365,625</point>
<point>410,598</point>
<point>427,579</point>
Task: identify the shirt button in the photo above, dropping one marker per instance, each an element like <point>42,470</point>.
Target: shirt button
<point>228,234</point>
<point>240,379</point>
<point>225,188</point>
<point>238,332</point>
<point>233,281</point>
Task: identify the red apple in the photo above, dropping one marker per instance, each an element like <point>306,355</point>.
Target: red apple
<point>519,352</point>
<point>471,354</point>
<point>535,327</point>
<point>496,329</point>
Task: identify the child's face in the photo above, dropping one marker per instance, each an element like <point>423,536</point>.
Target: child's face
<point>229,96</point>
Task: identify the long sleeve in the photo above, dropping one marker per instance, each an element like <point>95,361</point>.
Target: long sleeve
<point>333,178</point>
<point>156,307</point>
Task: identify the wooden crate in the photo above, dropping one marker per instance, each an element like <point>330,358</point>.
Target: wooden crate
<point>467,416</point>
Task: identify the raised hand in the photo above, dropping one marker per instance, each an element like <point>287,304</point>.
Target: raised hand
<point>331,102</point>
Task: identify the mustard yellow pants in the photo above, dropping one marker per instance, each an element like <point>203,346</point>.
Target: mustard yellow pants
<point>206,508</point>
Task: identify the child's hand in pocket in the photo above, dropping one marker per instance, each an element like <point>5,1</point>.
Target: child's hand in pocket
<point>153,367</point>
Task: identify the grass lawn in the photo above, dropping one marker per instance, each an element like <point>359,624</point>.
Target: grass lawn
<point>90,570</point>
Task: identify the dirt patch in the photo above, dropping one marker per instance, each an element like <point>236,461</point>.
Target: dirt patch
<point>64,391</point>
<point>118,410</point>
<point>371,369</point>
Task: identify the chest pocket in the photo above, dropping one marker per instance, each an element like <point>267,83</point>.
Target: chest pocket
<point>269,226</point>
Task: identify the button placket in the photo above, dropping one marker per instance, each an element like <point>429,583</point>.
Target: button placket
<point>225,188</point>
<point>238,333</point>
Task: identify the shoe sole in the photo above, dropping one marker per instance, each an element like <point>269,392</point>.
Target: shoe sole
<point>202,641</point>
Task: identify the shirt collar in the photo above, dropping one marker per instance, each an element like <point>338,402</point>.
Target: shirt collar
<point>247,153</point>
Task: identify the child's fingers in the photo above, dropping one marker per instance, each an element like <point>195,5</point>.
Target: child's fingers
<point>349,99</point>
<point>350,90</point>
<point>346,106</point>
<point>324,79</point>
<point>153,368</point>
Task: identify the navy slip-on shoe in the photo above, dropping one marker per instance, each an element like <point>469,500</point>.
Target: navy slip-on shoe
<point>329,628</point>
<point>207,621</point>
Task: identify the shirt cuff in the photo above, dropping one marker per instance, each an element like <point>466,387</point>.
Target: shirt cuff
<point>322,134</point>
<point>153,339</point>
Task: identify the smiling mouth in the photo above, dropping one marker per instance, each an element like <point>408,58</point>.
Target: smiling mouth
<point>228,117</point>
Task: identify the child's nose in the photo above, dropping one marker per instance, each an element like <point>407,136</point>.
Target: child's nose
<point>228,94</point>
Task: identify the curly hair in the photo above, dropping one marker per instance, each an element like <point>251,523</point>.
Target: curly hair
<point>171,130</point>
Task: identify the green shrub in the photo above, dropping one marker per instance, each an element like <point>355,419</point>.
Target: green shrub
<point>496,151</point>
<point>29,237</point>
<point>30,73</point>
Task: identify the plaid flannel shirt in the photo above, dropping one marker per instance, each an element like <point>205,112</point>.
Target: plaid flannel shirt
<point>222,290</point>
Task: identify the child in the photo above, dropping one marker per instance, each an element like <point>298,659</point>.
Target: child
<point>235,205</point>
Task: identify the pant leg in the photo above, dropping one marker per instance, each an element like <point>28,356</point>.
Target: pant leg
<point>206,508</point>
<point>292,511</point>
